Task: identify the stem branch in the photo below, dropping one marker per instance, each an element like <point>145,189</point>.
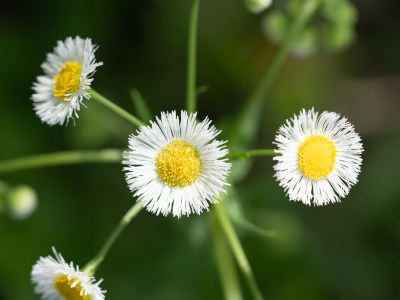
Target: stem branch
<point>91,266</point>
<point>61,158</point>
<point>122,112</point>
<point>251,111</point>
<point>245,155</point>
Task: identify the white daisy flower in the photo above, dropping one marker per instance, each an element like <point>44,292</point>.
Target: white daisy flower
<point>54,279</point>
<point>321,157</point>
<point>176,165</point>
<point>68,70</point>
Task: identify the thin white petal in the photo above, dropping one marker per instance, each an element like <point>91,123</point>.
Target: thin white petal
<point>142,177</point>
<point>347,161</point>
<point>49,108</point>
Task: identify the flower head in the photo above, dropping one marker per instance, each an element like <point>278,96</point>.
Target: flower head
<point>321,157</point>
<point>68,69</point>
<point>54,279</point>
<point>176,165</point>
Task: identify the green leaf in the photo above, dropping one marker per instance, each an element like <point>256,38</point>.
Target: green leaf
<point>140,106</point>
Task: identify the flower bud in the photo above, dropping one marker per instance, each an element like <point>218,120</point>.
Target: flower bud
<point>22,202</point>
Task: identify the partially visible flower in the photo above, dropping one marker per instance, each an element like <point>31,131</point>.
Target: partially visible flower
<point>257,6</point>
<point>54,279</point>
<point>176,165</point>
<point>321,157</point>
<point>22,202</point>
<point>68,70</point>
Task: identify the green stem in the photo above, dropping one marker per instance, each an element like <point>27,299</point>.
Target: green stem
<point>252,109</point>
<point>252,228</point>
<point>237,250</point>
<point>91,266</point>
<point>225,263</point>
<point>123,113</point>
<point>191,67</point>
<point>245,155</point>
<point>141,107</point>
<point>61,158</point>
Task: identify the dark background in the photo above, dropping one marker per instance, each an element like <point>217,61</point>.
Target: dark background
<point>343,251</point>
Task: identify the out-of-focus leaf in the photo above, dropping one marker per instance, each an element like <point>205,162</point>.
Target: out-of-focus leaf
<point>141,108</point>
<point>236,213</point>
<point>289,231</point>
<point>249,226</point>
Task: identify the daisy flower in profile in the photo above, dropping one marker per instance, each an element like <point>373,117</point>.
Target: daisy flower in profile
<point>54,279</point>
<point>175,165</point>
<point>321,157</point>
<point>68,69</point>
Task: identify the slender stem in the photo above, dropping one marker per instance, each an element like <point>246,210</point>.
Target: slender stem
<point>140,105</point>
<point>61,158</point>
<point>91,266</point>
<point>251,111</point>
<point>225,263</point>
<point>191,59</point>
<point>245,155</point>
<point>237,250</point>
<point>252,228</point>
<point>123,113</point>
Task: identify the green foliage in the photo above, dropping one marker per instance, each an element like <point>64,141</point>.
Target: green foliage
<point>344,251</point>
<point>331,28</point>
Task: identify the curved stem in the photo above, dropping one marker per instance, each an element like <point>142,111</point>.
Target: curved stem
<point>252,227</point>
<point>245,155</point>
<point>249,115</point>
<point>61,158</point>
<point>238,251</point>
<point>123,113</point>
<point>91,266</point>
<point>191,67</point>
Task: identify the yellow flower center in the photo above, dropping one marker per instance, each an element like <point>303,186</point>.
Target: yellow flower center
<point>67,80</point>
<point>178,164</point>
<point>63,286</point>
<point>316,156</point>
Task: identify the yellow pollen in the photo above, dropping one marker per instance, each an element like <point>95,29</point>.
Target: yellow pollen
<point>316,156</point>
<point>63,286</point>
<point>67,80</point>
<point>178,164</point>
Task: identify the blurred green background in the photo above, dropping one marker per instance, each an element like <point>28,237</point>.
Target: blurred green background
<point>343,251</point>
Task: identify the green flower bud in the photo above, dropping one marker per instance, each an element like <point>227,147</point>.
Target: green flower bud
<point>275,26</point>
<point>306,43</point>
<point>22,202</point>
<point>336,38</point>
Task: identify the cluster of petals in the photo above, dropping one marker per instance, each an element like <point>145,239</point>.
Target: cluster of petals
<point>46,271</point>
